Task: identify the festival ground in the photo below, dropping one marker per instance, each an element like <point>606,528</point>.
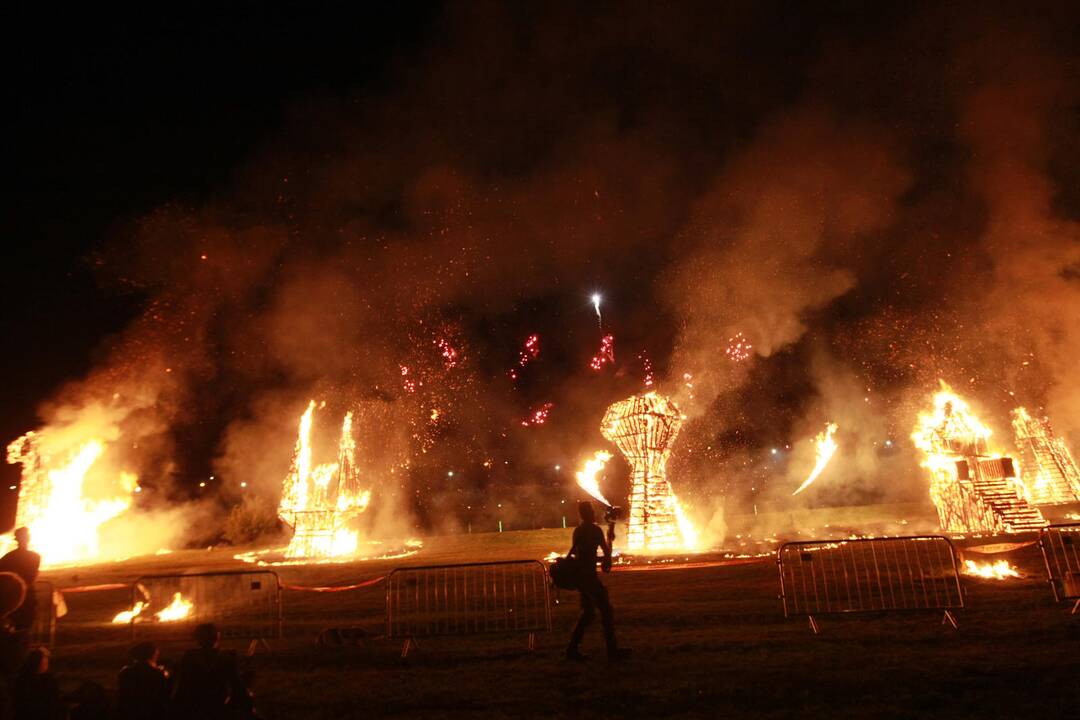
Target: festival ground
<point>708,640</point>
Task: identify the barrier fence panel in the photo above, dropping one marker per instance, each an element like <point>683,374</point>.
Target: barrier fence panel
<point>1060,545</point>
<point>869,575</point>
<point>43,631</point>
<point>467,599</point>
<point>243,605</point>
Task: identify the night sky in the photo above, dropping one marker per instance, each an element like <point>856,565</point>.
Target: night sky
<point>220,213</point>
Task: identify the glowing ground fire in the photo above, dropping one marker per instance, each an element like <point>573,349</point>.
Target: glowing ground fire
<point>320,502</point>
<point>178,609</point>
<point>63,507</point>
<point>644,427</point>
<point>998,570</point>
<point>975,489</point>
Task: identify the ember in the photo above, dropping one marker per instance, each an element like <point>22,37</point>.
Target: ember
<point>644,427</point>
<point>319,502</point>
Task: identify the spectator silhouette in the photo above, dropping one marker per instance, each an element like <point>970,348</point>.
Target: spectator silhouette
<point>37,694</point>
<point>91,702</point>
<point>25,563</point>
<point>12,592</point>
<point>142,685</point>
<point>208,682</point>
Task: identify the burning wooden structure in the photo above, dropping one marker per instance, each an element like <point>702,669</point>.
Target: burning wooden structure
<point>644,427</point>
<point>1050,473</point>
<point>320,502</point>
<point>975,489</point>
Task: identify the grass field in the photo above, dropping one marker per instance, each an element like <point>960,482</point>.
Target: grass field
<point>708,641</point>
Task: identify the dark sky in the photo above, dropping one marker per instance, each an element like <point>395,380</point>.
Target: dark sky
<point>270,203</point>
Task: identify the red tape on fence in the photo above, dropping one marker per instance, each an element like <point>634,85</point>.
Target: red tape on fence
<point>335,588</point>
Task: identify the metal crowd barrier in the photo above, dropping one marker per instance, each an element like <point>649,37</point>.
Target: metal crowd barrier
<point>467,599</point>
<point>243,605</point>
<point>1060,545</point>
<point>43,631</point>
<point>869,575</point>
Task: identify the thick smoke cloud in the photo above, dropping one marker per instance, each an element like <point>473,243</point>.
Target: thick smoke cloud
<point>869,221</point>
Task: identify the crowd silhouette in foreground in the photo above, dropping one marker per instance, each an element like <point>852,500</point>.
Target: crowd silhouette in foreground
<point>206,684</point>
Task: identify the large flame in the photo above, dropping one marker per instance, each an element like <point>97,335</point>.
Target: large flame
<point>178,609</point>
<point>825,447</point>
<point>320,501</point>
<point>61,509</point>
<point>587,475</point>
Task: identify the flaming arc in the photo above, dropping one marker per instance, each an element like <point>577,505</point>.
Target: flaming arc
<point>644,428</point>
<point>587,475</point>
<point>319,502</point>
<point>826,446</point>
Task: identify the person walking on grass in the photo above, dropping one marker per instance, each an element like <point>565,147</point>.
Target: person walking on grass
<point>588,538</point>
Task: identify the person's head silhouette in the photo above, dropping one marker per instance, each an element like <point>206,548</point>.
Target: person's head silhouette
<point>207,635</point>
<point>146,652</point>
<point>586,511</point>
<point>22,537</point>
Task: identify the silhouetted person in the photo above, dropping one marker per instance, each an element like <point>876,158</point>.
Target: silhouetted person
<point>12,593</point>
<point>92,702</point>
<point>37,694</point>
<point>208,682</point>
<point>25,563</point>
<point>588,538</point>
<point>142,685</point>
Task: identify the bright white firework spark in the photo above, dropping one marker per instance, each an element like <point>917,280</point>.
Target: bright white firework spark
<point>596,298</point>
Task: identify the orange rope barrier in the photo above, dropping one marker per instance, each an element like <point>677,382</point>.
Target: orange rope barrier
<point>335,588</point>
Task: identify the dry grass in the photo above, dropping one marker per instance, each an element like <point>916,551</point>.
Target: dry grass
<point>707,642</point>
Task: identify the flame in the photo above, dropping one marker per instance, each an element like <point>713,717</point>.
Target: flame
<point>126,616</point>
<point>998,570</point>
<point>825,449</point>
<point>319,501</point>
<point>178,609</point>
<point>62,510</point>
<point>586,476</point>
